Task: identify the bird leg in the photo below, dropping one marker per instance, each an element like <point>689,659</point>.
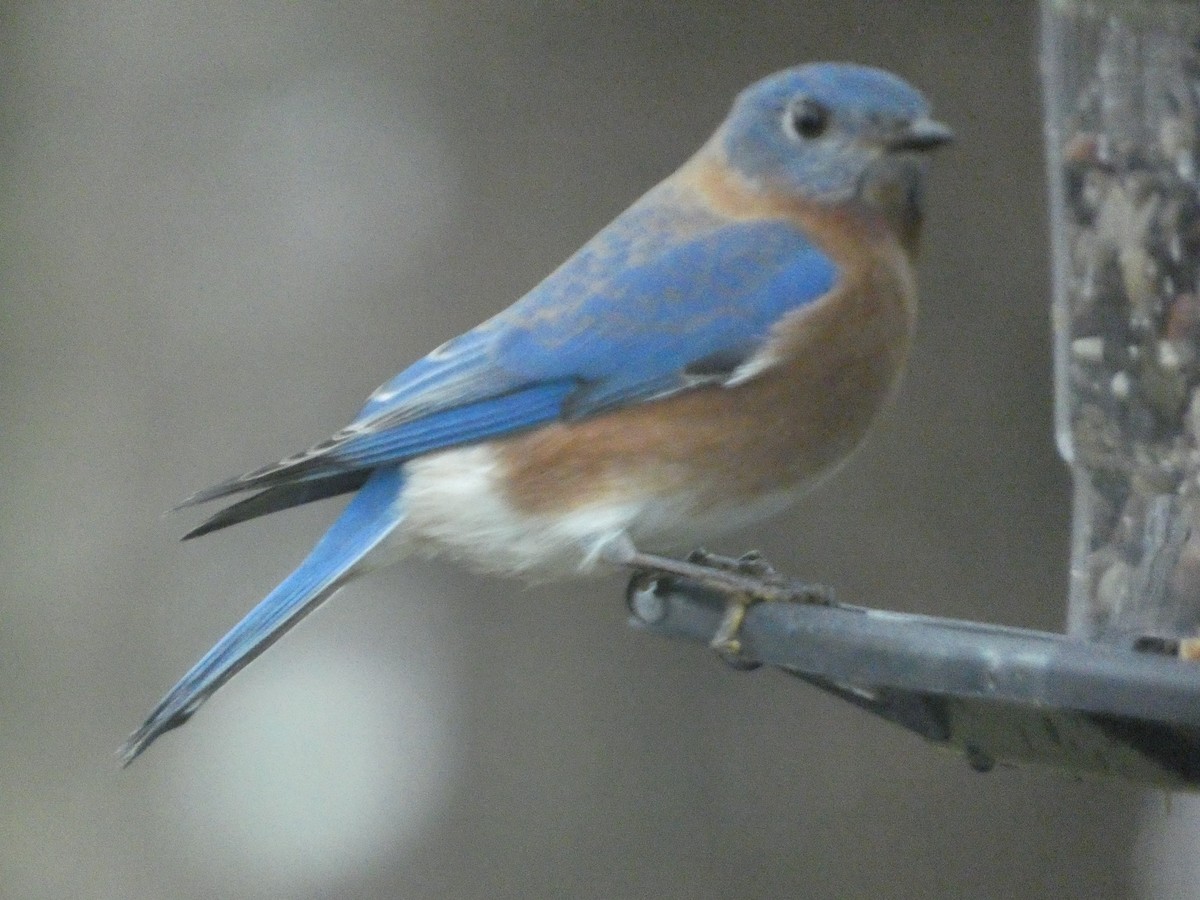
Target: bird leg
<point>742,581</point>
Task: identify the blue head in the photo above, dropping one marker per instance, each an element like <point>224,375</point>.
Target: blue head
<point>832,133</point>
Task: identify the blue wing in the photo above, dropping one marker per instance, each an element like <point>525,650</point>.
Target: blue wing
<point>667,297</point>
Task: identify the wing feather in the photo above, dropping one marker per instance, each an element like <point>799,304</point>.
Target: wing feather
<point>639,313</point>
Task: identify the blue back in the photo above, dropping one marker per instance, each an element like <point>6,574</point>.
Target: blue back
<point>665,285</point>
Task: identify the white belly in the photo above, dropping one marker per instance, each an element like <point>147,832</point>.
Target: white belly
<point>456,506</point>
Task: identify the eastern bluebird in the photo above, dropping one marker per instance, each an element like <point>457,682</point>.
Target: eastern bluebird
<point>698,364</point>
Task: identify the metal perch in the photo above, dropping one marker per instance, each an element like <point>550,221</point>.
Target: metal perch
<point>997,695</point>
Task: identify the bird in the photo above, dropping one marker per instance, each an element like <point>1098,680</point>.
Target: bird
<point>699,364</point>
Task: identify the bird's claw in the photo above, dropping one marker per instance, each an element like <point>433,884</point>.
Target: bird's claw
<point>742,581</point>
<point>727,640</point>
<point>774,587</point>
<point>751,563</point>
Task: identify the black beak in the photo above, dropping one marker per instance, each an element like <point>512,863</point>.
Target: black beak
<point>920,136</point>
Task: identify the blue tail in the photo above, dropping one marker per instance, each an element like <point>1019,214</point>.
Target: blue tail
<point>369,518</point>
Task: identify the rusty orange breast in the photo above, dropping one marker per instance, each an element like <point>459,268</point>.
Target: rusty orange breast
<point>833,364</point>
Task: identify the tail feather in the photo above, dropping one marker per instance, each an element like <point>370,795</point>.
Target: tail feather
<point>369,518</point>
<point>274,499</point>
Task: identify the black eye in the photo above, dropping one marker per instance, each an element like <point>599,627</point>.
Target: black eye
<point>808,119</point>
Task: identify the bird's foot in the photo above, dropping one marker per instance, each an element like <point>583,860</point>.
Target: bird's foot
<point>726,640</point>
<point>748,574</point>
<point>742,581</point>
<point>751,563</point>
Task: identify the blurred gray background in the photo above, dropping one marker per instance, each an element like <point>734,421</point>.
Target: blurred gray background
<point>225,223</point>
